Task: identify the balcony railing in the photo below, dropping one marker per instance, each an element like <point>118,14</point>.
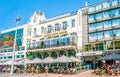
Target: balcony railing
<point>96,30</point>
<point>104,19</point>
<point>105,29</point>
<point>43,45</point>
<point>54,30</point>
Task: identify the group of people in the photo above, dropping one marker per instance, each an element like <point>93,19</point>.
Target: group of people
<point>37,69</point>
<point>6,69</point>
<point>108,68</point>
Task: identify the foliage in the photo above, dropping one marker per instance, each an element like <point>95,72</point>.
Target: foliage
<point>46,54</point>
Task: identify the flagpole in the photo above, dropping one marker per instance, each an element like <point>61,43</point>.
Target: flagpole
<point>14,47</point>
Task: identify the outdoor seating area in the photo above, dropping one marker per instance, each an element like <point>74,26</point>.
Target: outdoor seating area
<point>61,65</point>
<point>112,72</point>
<point>110,65</point>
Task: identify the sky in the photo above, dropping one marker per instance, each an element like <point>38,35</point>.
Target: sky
<point>10,9</point>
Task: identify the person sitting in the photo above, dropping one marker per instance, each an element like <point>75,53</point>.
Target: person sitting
<point>109,70</point>
<point>97,71</point>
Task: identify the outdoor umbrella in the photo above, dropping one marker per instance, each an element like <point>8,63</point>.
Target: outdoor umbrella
<point>20,62</point>
<point>74,59</point>
<point>112,56</point>
<point>36,60</point>
<point>48,60</point>
<point>9,62</point>
<point>28,61</point>
<point>63,59</point>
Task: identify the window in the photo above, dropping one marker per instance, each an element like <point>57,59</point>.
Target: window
<point>92,26</point>
<point>65,24</point>
<point>5,57</point>
<point>57,27</point>
<point>100,35</point>
<point>116,22</point>
<point>34,31</point>
<point>22,56</point>
<point>9,57</point>
<point>17,56</point>
<point>50,28</point>
<point>114,2</point>
<point>108,34</point>
<point>106,14</point>
<point>73,23</point>
<point>115,12</point>
<point>98,6</point>
<point>106,4</point>
<point>107,24</point>
<point>73,34</point>
<point>0,57</point>
<point>93,36</point>
<point>117,32</point>
<point>100,25</point>
<point>29,32</point>
<point>98,16</point>
<point>91,17</point>
<point>92,8</point>
<point>42,29</point>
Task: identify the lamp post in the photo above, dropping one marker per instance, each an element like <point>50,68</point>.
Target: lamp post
<point>14,47</point>
<point>114,42</point>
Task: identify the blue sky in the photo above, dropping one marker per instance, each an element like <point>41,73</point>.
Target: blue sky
<point>10,9</point>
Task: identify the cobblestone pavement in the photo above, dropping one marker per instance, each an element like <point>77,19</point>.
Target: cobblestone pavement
<point>82,74</point>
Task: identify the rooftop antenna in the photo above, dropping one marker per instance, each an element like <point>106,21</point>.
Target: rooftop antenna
<point>86,4</point>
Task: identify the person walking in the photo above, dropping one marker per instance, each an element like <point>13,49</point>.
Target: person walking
<point>37,69</point>
<point>33,70</point>
<point>25,69</point>
<point>46,70</point>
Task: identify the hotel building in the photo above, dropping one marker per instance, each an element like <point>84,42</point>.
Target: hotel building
<point>54,37</point>
<point>103,31</point>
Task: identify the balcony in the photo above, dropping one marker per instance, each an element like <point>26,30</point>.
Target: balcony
<point>56,32</point>
<point>58,45</point>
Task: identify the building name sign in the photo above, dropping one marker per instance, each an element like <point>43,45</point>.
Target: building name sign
<point>89,53</point>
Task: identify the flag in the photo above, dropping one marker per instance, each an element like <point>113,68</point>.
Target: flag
<point>18,19</point>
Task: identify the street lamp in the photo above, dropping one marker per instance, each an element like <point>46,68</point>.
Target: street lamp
<point>14,47</point>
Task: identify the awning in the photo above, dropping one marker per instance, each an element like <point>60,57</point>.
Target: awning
<point>112,56</point>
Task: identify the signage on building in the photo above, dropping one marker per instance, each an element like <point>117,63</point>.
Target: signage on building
<point>89,53</point>
<point>20,53</point>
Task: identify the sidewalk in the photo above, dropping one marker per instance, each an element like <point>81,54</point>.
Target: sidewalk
<point>82,74</point>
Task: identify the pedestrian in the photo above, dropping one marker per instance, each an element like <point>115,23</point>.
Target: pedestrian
<point>33,70</point>
<point>46,70</point>
<point>37,69</point>
<point>25,69</point>
<point>0,69</point>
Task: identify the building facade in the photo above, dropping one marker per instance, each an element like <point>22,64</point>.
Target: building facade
<point>103,31</point>
<point>54,37</point>
<point>7,44</point>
